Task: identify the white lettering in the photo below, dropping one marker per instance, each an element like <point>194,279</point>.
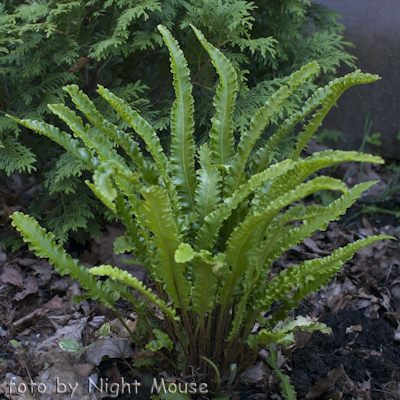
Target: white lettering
<point>192,389</point>
<point>73,389</point>
<point>158,388</point>
<point>172,388</point>
<point>91,383</point>
<point>203,388</point>
<point>59,385</point>
<point>20,391</point>
<point>124,385</point>
<point>136,384</point>
<point>41,388</point>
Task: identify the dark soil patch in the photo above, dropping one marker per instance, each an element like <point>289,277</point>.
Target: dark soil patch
<point>372,353</point>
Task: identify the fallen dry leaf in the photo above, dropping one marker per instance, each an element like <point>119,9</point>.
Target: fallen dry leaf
<point>324,384</point>
<point>354,328</point>
<point>111,347</point>
<point>12,275</point>
<point>56,303</point>
<point>120,330</point>
<point>61,285</point>
<point>15,388</point>
<point>84,369</point>
<point>256,373</point>
<point>62,380</point>
<point>30,287</point>
<point>44,270</point>
<point>72,331</point>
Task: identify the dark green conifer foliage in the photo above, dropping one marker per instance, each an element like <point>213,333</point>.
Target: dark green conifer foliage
<point>45,44</point>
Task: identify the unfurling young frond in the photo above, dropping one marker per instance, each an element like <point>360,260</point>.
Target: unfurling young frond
<point>208,238</point>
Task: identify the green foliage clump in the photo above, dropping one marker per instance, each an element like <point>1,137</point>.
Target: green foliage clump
<point>47,44</point>
<point>207,236</point>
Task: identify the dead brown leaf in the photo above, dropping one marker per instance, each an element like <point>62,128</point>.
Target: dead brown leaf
<point>12,275</point>
<point>56,303</point>
<point>256,373</point>
<point>354,328</point>
<point>111,347</point>
<point>44,270</point>
<point>30,287</point>
<point>15,388</point>
<point>323,384</point>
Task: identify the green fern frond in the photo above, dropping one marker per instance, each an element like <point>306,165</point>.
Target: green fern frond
<point>296,275</point>
<point>258,124</point>
<point>208,191</point>
<point>221,133</point>
<point>284,334</point>
<point>132,149</point>
<point>208,233</point>
<point>182,125</point>
<point>251,231</point>
<point>143,129</point>
<point>263,155</point>
<point>338,86</point>
<point>63,139</point>
<point>126,278</point>
<point>158,217</point>
<point>44,245</point>
<point>302,169</point>
<point>287,389</point>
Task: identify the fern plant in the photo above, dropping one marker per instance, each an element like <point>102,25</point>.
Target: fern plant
<point>47,44</point>
<point>207,222</point>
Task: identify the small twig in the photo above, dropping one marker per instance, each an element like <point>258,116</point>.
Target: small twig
<point>101,68</point>
<point>204,87</point>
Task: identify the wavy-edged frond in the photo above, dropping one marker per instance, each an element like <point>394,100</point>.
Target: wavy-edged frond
<point>64,139</point>
<point>208,233</point>
<point>208,191</point>
<point>284,334</point>
<point>304,168</point>
<point>113,169</point>
<point>44,245</point>
<point>162,340</point>
<point>250,232</point>
<point>158,217</point>
<point>99,194</point>
<point>262,156</point>
<point>221,133</point>
<point>142,128</point>
<point>327,267</point>
<point>102,145</point>
<point>126,278</point>
<point>337,86</point>
<point>319,221</point>
<point>182,125</point>
<point>248,139</point>
<point>135,232</point>
<point>205,282</point>
<point>123,244</point>
<point>124,140</point>
<point>287,389</point>
<point>258,123</point>
<point>280,238</point>
<point>291,302</point>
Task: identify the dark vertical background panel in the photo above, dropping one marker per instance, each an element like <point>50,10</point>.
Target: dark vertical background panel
<point>373,26</point>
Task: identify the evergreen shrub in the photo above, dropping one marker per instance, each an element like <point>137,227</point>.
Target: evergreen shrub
<point>46,44</point>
